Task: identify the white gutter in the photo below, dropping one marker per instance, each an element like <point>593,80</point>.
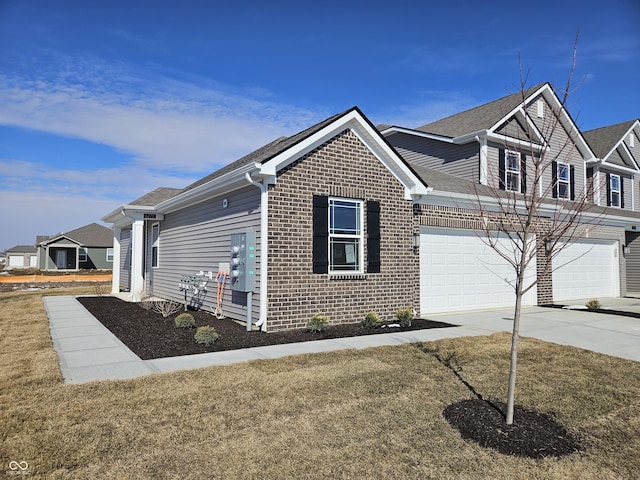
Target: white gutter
<point>601,163</point>
<point>264,248</point>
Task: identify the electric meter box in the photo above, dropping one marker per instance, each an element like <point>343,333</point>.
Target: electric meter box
<point>242,263</point>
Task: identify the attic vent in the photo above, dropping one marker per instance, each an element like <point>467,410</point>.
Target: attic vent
<point>540,108</point>
<point>632,140</point>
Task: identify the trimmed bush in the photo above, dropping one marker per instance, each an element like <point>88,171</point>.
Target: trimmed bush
<point>206,335</point>
<point>317,324</point>
<point>185,320</point>
<point>371,320</point>
<point>593,304</point>
<point>404,317</point>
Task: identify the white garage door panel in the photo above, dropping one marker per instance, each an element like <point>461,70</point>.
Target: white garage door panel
<point>459,272</point>
<point>16,260</point>
<point>586,269</point>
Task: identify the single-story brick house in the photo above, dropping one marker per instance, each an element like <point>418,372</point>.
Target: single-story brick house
<point>344,218</point>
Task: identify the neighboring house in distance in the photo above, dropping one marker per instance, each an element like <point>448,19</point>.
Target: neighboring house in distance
<point>343,218</point>
<point>89,247</point>
<point>618,150</point>
<point>21,256</point>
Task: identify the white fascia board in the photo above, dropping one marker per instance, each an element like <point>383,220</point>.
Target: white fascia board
<point>612,166</point>
<point>523,144</point>
<point>125,211</point>
<point>368,135</point>
<point>417,133</point>
<point>218,186</point>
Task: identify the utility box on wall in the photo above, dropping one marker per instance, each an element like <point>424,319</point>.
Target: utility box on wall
<point>243,261</point>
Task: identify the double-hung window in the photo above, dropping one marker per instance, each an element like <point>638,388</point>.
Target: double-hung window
<point>110,254</point>
<point>345,235</point>
<point>563,180</point>
<point>82,255</point>
<point>512,171</point>
<point>155,241</point>
<point>614,190</point>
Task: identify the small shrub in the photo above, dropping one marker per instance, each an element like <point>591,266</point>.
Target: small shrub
<point>404,317</point>
<point>318,323</point>
<point>593,304</point>
<point>166,307</point>
<point>185,320</point>
<point>371,320</point>
<point>206,335</point>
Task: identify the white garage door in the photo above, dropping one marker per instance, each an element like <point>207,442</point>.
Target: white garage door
<point>586,269</point>
<point>16,260</point>
<point>458,271</point>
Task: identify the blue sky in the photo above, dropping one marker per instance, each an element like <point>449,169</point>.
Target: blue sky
<point>101,102</point>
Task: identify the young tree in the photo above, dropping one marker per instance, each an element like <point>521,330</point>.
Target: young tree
<point>531,222</point>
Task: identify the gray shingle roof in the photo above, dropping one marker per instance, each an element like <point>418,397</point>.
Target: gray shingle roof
<point>22,249</point>
<point>268,151</point>
<point>92,235</point>
<point>479,118</point>
<point>602,140</point>
<point>156,196</point>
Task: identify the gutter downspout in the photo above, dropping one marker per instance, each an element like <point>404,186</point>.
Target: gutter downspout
<point>264,248</point>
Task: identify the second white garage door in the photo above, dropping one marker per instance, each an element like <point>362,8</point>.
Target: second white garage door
<point>586,269</point>
<point>458,271</point>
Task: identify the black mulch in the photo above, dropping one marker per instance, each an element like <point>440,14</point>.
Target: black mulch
<point>607,311</point>
<point>149,335</point>
<point>532,434</point>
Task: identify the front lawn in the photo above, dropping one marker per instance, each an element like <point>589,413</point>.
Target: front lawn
<point>375,413</point>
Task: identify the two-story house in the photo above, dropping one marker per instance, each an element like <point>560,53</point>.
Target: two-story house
<point>344,218</point>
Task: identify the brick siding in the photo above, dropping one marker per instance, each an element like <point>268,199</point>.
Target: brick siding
<point>342,167</point>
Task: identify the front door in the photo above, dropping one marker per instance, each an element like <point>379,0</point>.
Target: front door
<point>61,259</point>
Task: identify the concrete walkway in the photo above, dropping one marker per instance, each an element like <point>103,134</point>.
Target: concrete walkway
<point>88,351</point>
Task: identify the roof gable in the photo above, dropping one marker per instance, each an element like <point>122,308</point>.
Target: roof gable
<point>608,143</point>
<point>92,235</point>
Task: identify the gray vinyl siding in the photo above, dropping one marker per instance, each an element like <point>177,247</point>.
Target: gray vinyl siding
<point>96,259</point>
<point>125,259</point>
<point>513,129</point>
<point>459,160</point>
<point>633,262</point>
<point>198,238</point>
<point>562,148</point>
<point>635,150</point>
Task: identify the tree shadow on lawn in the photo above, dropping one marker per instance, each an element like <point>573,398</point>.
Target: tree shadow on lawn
<point>483,421</point>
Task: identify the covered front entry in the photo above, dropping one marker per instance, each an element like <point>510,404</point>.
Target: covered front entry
<point>586,269</point>
<point>458,271</point>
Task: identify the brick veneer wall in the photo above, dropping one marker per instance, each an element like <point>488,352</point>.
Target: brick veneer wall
<point>342,167</point>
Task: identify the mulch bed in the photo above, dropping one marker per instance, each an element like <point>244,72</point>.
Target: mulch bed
<point>149,335</point>
<point>532,434</point>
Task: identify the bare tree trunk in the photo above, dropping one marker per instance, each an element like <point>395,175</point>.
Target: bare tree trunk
<point>511,392</point>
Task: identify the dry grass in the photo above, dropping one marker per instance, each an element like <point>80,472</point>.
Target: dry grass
<point>353,414</point>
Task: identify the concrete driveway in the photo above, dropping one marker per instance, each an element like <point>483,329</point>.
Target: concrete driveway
<point>614,335</point>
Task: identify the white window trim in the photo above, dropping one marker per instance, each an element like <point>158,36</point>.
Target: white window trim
<point>109,255</point>
<point>359,236</point>
<point>566,182</point>
<point>155,245</point>
<point>612,190</point>
<point>83,254</point>
<point>508,171</point>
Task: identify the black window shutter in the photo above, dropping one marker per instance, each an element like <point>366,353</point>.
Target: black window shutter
<point>572,182</point>
<point>554,178</point>
<point>608,190</point>
<point>621,191</point>
<point>320,234</point>
<point>373,236</point>
<point>501,169</point>
<point>523,173</point>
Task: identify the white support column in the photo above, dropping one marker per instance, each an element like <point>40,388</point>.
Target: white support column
<point>484,162</point>
<point>137,260</point>
<point>115,269</point>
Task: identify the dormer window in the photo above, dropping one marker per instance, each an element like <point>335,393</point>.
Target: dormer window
<point>512,171</point>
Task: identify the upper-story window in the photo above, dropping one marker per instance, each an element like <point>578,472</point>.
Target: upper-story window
<point>512,171</point>
<point>615,191</point>
<point>564,185</point>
